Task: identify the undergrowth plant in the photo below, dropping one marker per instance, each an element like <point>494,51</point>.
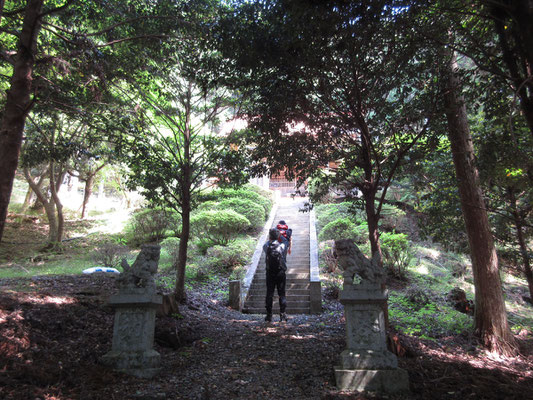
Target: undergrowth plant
<point>397,253</point>
<point>431,321</point>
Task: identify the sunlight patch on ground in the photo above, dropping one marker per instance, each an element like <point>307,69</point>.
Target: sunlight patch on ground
<point>514,280</point>
<point>429,253</point>
<point>422,268</point>
<point>112,222</point>
<point>51,299</point>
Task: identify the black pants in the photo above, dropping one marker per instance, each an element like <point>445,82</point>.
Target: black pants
<point>276,281</point>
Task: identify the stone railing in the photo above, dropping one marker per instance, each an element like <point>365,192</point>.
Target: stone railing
<point>314,272</point>
<point>238,290</point>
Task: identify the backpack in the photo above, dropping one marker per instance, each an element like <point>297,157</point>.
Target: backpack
<point>274,258</point>
<point>284,231</point>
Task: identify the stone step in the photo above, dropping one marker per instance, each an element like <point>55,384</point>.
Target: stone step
<point>275,310</point>
<point>289,286</point>
<point>291,269</point>
<point>258,298</point>
<point>295,278</point>
<point>298,262</point>
<point>261,291</point>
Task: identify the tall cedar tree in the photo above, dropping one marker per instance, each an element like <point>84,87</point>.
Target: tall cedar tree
<point>490,315</point>
<point>18,103</point>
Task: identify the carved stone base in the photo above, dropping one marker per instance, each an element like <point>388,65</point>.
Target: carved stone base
<point>142,364</point>
<point>368,359</point>
<point>381,380</point>
<point>133,334</point>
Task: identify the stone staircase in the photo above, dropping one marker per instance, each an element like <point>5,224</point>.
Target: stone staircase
<point>298,288</point>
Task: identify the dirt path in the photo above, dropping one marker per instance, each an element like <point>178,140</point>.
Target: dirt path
<point>52,336</point>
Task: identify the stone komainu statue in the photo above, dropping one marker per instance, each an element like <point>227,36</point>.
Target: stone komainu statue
<point>353,262</point>
<point>141,273</point>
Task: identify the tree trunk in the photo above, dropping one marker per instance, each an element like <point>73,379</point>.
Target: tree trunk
<point>490,314</point>
<point>88,191</point>
<point>89,183</point>
<point>28,199</point>
<point>54,188</point>
<point>179,291</point>
<point>18,104</point>
<point>372,220</point>
<point>48,206</point>
<point>519,225</point>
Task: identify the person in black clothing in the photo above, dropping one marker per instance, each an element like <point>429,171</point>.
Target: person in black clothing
<point>276,265</point>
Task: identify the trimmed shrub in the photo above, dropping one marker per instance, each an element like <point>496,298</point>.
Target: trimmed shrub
<point>235,254</point>
<point>208,205</point>
<point>251,210</point>
<point>250,195</point>
<point>343,228</point>
<point>218,227</point>
<point>327,213</point>
<point>397,253</point>
<point>267,194</point>
<point>151,225</point>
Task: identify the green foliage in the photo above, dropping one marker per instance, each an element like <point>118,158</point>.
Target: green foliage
<point>392,218</point>
<point>268,194</point>
<point>343,228</point>
<point>218,227</point>
<point>429,321</point>
<point>171,246</point>
<point>238,273</point>
<point>109,254</point>
<point>151,225</point>
<point>251,210</point>
<point>243,193</point>
<point>397,253</point>
<point>435,183</point>
<point>208,205</point>
<point>327,213</point>
<point>235,254</point>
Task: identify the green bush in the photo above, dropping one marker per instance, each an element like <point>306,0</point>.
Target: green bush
<point>251,210</point>
<point>268,194</point>
<point>327,213</point>
<point>109,254</point>
<point>151,225</point>
<point>397,253</point>
<point>208,205</point>
<point>238,273</point>
<point>343,228</point>
<point>392,218</point>
<point>266,203</point>
<point>218,227</point>
<point>429,321</point>
<point>171,246</point>
<point>235,254</point>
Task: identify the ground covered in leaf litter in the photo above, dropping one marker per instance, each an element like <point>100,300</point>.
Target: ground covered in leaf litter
<point>53,330</point>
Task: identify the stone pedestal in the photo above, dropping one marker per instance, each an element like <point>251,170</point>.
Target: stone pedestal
<point>235,295</point>
<point>366,364</point>
<point>133,333</point>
